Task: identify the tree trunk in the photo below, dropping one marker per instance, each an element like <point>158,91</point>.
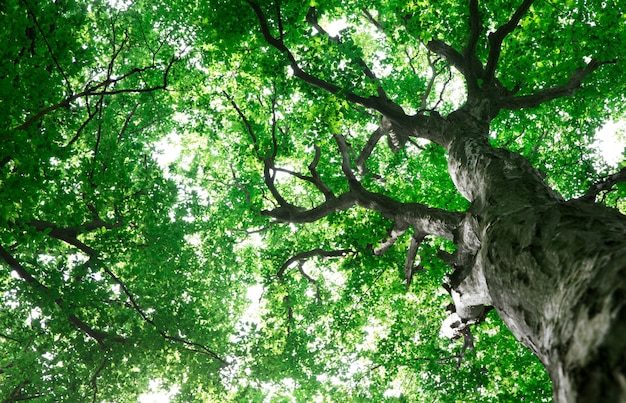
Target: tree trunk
<point>555,270</point>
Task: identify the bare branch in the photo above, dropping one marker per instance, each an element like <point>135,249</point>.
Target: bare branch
<point>100,89</point>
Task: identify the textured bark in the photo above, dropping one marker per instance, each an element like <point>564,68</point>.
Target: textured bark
<point>555,270</point>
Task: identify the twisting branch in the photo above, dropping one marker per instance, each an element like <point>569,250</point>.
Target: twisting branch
<point>604,185</point>
<point>378,103</point>
<point>434,73</point>
<point>573,84</point>
<point>496,38</point>
<point>318,252</point>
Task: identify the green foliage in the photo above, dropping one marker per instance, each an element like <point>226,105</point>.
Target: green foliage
<point>117,271</point>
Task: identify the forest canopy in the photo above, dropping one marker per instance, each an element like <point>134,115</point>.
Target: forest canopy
<point>258,200</point>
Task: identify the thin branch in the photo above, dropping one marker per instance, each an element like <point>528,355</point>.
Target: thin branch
<point>369,148</point>
<point>99,336</point>
<point>43,36</point>
<point>318,252</point>
<point>193,346</point>
<point>316,179</point>
<point>94,91</point>
<point>377,103</point>
<point>373,20</point>
<point>573,84</point>
<point>94,378</point>
<point>409,264</point>
<point>245,120</point>
<point>605,184</point>
<point>431,82</point>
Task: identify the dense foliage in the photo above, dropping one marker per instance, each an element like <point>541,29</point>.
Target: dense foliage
<point>117,270</point>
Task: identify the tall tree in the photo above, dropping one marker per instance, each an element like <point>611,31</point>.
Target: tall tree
<point>116,273</point>
<point>537,246</point>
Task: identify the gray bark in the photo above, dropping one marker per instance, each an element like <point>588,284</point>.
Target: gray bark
<point>555,270</point>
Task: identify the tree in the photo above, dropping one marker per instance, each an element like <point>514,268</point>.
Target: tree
<point>487,185</point>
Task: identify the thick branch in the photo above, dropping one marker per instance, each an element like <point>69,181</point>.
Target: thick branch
<point>295,215</point>
<point>469,53</point>
<point>496,38</point>
<point>450,54</point>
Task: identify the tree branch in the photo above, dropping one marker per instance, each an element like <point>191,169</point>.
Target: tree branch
<point>398,229</point>
<point>469,53</point>
<point>303,256</point>
<point>605,184</point>
<point>311,18</point>
<point>100,90</point>
<point>409,263</point>
<point>450,54</point>
<point>193,346</point>
<point>369,148</point>
<point>99,336</point>
<point>496,38</point>
<point>377,103</point>
<point>573,84</point>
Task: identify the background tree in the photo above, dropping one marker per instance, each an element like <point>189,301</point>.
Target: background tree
<point>117,273</point>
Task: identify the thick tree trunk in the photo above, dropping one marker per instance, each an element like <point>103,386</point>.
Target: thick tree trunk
<point>555,270</point>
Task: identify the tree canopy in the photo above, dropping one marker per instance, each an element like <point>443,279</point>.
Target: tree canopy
<point>268,261</point>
